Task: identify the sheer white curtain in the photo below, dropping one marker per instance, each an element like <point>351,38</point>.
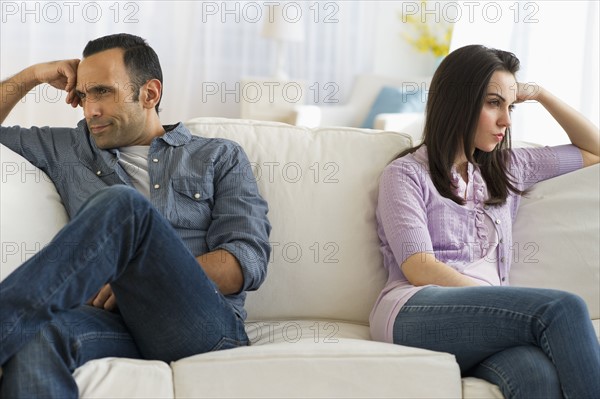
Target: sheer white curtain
<point>557,43</point>
<point>205,48</point>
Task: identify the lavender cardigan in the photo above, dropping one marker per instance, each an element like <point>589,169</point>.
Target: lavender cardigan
<point>412,217</point>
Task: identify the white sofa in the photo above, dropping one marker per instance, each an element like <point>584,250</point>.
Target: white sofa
<point>309,321</point>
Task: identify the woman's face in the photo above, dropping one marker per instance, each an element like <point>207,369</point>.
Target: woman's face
<point>495,114</point>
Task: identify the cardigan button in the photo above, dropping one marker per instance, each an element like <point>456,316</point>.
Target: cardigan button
<point>497,221</point>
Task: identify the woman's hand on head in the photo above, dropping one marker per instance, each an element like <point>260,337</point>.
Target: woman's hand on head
<point>528,92</point>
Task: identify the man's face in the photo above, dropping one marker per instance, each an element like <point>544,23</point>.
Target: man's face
<point>107,97</point>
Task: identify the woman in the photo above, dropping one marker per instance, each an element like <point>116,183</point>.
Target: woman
<point>444,219</point>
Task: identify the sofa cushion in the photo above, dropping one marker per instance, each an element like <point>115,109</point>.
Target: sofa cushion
<point>321,186</point>
<point>555,244</point>
<point>31,212</point>
<point>475,388</point>
<point>124,378</point>
<point>309,368</point>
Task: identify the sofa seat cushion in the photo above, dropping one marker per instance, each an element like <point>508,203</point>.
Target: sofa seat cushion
<point>294,361</point>
<point>476,388</point>
<point>124,378</point>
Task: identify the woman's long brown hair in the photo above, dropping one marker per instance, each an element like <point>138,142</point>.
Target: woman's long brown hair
<point>456,96</point>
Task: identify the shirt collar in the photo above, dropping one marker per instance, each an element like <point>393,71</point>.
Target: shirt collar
<point>104,160</point>
<point>176,135</point>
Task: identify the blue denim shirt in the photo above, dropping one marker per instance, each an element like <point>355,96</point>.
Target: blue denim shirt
<point>203,186</point>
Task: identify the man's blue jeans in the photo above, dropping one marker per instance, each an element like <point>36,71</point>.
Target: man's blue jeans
<point>168,307</point>
<point>532,343</point>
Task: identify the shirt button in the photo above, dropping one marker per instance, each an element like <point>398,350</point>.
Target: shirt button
<point>197,196</point>
<point>503,278</point>
<point>502,259</point>
<point>157,186</point>
<point>99,172</point>
<point>155,160</point>
<point>486,207</point>
<point>497,221</point>
<point>501,240</point>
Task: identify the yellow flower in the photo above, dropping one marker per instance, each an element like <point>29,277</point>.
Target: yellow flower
<point>429,37</point>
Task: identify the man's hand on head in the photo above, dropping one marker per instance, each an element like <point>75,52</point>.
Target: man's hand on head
<point>61,75</point>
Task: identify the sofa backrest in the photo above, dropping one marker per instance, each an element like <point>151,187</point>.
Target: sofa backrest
<point>556,237</point>
<point>31,211</point>
<point>321,186</point>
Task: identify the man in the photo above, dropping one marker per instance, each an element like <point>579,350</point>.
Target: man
<point>166,266</point>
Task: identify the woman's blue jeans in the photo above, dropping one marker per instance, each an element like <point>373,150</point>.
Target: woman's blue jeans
<point>532,343</point>
<point>168,307</point>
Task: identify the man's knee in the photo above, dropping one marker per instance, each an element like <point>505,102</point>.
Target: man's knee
<point>120,191</point>
<point>120,196</point>
<point>48,340</point>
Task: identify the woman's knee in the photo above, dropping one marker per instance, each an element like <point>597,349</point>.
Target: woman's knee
<point>570,306</point>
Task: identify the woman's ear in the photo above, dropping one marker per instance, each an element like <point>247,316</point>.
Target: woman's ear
<point>151,93</point>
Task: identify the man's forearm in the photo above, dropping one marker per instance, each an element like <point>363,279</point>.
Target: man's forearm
<point>14,89</point>
<point>224,269</point>
<point>60,74</point>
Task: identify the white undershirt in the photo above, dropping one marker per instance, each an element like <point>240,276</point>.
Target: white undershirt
<point>134,160</point>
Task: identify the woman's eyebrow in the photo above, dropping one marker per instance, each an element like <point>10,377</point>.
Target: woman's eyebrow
<point>497,95</point>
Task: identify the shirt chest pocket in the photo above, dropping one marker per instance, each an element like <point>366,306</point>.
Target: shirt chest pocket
<point>192,202</point>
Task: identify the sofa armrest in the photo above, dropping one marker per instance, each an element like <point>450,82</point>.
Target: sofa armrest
<point>306,115</point>
<point>317,116</point>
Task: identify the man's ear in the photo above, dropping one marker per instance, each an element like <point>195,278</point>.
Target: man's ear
<point>151,93</point>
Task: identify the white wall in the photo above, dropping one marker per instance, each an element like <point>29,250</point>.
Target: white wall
<point>393,55</point>
<point>195,48</point>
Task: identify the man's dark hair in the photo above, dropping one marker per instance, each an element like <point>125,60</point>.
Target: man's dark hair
<point>139,58</point>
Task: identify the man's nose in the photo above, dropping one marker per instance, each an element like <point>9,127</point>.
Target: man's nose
<point>91,109</point>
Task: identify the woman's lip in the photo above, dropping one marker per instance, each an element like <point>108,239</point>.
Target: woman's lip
<point>499,136</point>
